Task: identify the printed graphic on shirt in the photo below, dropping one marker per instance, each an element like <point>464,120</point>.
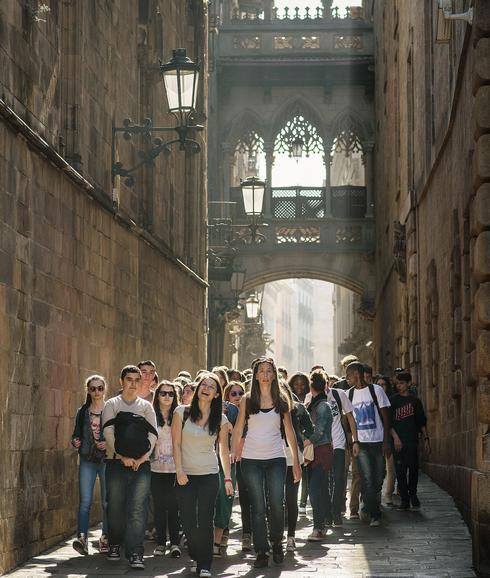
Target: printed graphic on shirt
<point>365,416</point>
<point>405,411</point>
<point>334,407</point>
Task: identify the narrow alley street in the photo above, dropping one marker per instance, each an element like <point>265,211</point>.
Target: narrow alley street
<point>431,542</point>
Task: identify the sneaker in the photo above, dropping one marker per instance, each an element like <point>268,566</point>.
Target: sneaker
<point>302,510</point>
<point>337,520</point>
<point>246,543</point>
<point>375,521</point>
<point>404,506</point>
<point>328,522</point>
<point>316,536</point>
<point>114,553</point>
<point>291,544</point>
<point>136,561</point>
<point>354,516</point>
<point>216,551</point>
<point>277,553</point>
<point>205,574</point>
<point>103,544</point>
<point>175,551</point>
<point>415,502</point>
<point>159,550</point>
<point>262,561</point>
<point>81,545</point>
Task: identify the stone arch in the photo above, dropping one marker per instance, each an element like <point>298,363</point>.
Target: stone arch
<point>244,123</point>
<point>350,119</point>
<point>297,106</point>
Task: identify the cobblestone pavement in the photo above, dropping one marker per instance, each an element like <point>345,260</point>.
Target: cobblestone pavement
<point>433,541</point>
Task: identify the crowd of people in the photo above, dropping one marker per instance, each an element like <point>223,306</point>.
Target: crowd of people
<point>171,456</point>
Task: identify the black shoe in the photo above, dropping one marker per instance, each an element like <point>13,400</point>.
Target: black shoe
<point>328,522</point>
<point>337,520</point>
<point>277,553</point>
<point>136,561</point>
<point>415,502</point>
<point>114,553</point>
<point>403,506</point>
<point>262,561</point>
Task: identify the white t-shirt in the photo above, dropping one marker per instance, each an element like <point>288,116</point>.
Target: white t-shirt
<point>338,435</point>
<point>368,421</point>
<point>264,440</point>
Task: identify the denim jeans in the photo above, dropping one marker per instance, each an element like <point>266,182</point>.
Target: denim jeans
<point>197,503</point>
<point>291,502</point>
<point>266,478</point>
<point>87,474</point>
<point>244,499</point>
<point>337,484</point>
<point>127,505</point>
<point>166,509</point>
<point>407,462</point>
<point>371,464</point>
<point>319,471</point>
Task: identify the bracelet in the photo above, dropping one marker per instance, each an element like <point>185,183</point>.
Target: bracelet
<point>228,480</point>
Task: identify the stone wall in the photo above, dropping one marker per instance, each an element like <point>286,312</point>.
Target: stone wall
<point>93,274</point>
<point>432,171</point>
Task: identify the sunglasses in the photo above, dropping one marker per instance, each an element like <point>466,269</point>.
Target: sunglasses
<point>236,393</point>
<point>94,388</point>
<point>166,393</point>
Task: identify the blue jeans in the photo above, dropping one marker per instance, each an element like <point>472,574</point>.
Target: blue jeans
<point>371,464</point>
<point>337,484</point>
<point>127,505</point>
<point>265,481</point>
<point>197,501</point>
<point>87,474</point>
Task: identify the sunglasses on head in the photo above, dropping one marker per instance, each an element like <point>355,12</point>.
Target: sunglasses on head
<point>236,393</point>
<point>93,388</point>
<point>166,393</point>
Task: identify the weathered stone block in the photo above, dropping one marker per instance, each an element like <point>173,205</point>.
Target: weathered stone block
<point>482,110</point>
<point>482,305</point>
<point>480,212</point>
<point>481,162</point>
<point>481,19</point>
<point>484,403</point>
<point>481,257</point>
<point>482,62</point>
<point>483,354</point>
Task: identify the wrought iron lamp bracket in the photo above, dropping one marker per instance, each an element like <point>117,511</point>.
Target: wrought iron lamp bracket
<point>184,140</point>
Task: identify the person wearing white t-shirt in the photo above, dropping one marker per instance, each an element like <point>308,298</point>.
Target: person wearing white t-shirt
<point>339,440</point>
<point>372,417</point>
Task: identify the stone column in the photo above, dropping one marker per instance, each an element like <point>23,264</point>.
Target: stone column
<point>269,161</point>
<point>268,7</point>
<point>328,190</point>
<point>369,177</point>
<point>226,163</point>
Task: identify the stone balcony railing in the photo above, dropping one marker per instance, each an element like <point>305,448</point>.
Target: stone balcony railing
<point>259,16</point>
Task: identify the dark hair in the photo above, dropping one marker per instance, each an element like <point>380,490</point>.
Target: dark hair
<point>231,371</point>
<point>130,369</point>
<point>155,377</point>
<point>88,381</point>
<point>147,362</point>
<point>279,398</point>
<point>156,402</point>
<point>368,369</point>
<point>355,366</point>
<point>304,378</point>
<point>316,367</point>
<point>228,388</point>
<point>221,371</point>
<point>387,380</point>
<point>185,374</point>
<point>318,380</point>
<point>216,411</point>
<point>404,376</point>
<point>282,369</point>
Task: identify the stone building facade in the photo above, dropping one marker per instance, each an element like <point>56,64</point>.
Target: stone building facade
<point>433,220</point>
<point>93,274</point>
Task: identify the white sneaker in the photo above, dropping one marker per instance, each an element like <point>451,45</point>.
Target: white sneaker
<point>302,511</point>
<point>175,551</point>
<point>159,550</point>
<point>291,544</point>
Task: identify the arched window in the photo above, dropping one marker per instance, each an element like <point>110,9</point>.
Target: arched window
<point>249,158</point>
<point>298,137</point>
<point>347,160</point>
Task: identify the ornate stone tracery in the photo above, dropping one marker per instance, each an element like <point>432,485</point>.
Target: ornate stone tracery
<point>298,129</point>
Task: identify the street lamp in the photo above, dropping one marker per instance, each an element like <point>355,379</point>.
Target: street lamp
<point>253,191</point>
<point>252,306</point>
<point>180,77</point>
<point>237,280</point>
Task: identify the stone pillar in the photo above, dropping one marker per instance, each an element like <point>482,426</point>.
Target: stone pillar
<point>268,7</point>
<point>226,164</point>
<point>369,177</point>
<point>269,161</point>
<point>328,189</point>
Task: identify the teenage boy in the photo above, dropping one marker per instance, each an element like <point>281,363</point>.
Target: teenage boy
<point>408,420</point>
<point>129,424</point>
<point>372,416</point>
<point>341,408</point>
<point>147,384</point>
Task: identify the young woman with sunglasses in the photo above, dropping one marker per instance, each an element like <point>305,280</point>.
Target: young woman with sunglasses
<point>88,438</point>
<point>195,431</point>
<point>166,512</point>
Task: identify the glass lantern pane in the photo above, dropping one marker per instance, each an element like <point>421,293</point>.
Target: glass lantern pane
<point>172,88</point>
<point>253,200</point>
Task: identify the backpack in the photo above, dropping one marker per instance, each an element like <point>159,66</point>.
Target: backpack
<point>338,401</point>
<point>131,434</point>
<point>373,395</point>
